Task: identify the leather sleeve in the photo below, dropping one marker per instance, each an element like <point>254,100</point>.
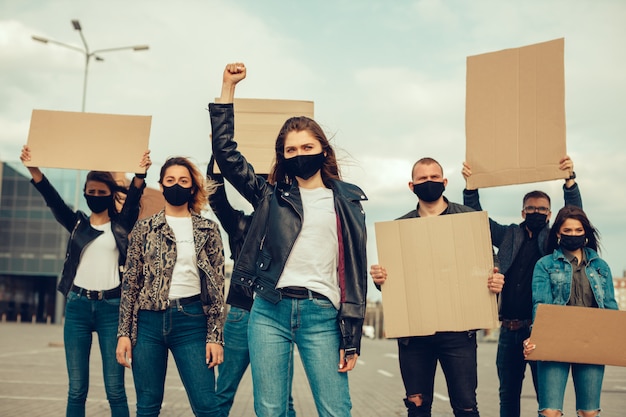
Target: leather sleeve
<point>61,211</point>
<point>351,329</point>
<point>232,163</point>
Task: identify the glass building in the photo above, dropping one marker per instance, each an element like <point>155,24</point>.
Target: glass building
<point>32,245</point>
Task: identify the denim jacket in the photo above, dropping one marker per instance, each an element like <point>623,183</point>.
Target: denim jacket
<point>552,280</point>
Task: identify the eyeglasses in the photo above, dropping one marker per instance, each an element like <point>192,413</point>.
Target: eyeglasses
<point>533,209</point>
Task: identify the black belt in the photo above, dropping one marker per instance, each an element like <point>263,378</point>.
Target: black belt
<point>516,324</point>
<point>299,292</point>
<point>178,302</point>
<point>98,295</point>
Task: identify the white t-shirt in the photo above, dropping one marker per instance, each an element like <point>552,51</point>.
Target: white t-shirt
<point>313,260</point>
<point>98,268</point>
<point>185,278</point>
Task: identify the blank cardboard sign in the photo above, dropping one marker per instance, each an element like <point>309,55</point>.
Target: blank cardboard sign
<point>437,269</point>
<point>515,115</point>
<point>579,335</point>
<point>257,123</point>
<point>88,141</point>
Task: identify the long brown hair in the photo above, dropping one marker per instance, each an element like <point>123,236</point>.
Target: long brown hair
<point>573,212</point>
<point>330,168</point>
<point>202,188</point>
<point>117,191</point>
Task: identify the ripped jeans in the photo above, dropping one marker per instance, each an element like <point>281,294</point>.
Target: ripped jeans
<point>552,379</point>
<point>456,352</point>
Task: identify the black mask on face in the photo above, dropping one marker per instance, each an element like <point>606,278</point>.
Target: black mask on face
<point>571,243</point>
<point>304,166</point>
<point>176,195</point>
<point>429,191</point>
<point>536,221</point>
<point>99,203</point>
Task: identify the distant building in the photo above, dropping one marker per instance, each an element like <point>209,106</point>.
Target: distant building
<point>620,291</point>
<point>32,245</point>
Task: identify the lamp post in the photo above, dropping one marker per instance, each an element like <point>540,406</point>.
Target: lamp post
<point>88,55</point>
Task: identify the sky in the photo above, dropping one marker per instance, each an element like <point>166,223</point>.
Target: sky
<point>387,79</point>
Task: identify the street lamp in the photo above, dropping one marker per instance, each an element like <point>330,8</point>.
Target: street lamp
<point>85,51</point>
<point>88,54</point>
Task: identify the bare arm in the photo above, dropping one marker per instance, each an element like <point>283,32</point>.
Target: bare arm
<point>233,73</point>
<point>35,172</point>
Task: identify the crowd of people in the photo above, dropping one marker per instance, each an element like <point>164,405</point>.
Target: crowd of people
<point>152,286</point>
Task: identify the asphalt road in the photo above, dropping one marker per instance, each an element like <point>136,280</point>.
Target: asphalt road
<point>33,382</point>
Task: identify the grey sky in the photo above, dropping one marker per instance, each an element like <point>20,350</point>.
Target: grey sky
<point>387,78</point>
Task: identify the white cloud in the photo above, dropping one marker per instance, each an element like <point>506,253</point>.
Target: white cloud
<point>387,78</point>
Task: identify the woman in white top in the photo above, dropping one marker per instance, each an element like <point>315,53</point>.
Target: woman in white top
<point>173,295</point>
<point>96,254</point>
<point>304,257</point>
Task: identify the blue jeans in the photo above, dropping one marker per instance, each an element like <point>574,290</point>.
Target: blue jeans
<point>552,377</point>
<point>311,325</point>
<point>456,352</point>
<point>511,369</point>
<point>181,330</point>
<point>236,359</point>
<point>82,318</point>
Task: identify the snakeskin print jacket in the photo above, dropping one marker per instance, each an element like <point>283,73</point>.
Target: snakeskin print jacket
<point>148,272</point>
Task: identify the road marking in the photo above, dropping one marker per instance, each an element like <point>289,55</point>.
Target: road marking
<point>385,373</point>
<point>17,397</point>
<point>441,397</point>
<point>391,355</point>
<point>30,352</point>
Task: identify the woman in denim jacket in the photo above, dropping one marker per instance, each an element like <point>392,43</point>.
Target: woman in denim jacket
<point>573,275</point>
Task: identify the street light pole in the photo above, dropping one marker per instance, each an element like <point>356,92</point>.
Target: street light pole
<point>87,54</point>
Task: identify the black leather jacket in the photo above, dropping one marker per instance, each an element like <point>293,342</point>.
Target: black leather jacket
<point>77,223</point>
<point>235,223</point>
<point>277,222</point>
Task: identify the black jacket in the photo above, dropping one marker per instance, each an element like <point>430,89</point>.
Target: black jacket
<point>77,223</point>
<point>236,224</point>
<point>277,222</point>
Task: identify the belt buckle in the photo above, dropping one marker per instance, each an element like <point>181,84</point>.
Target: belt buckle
<point>98,295</point>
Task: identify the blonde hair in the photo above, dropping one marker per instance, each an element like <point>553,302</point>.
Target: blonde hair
<point>202,187</point>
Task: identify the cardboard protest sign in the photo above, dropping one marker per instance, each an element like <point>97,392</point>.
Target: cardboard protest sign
<point>437,269</point>
<point>579,335</point>
<point>88,141</point>
<point>257,123</point>
<point>515,115</point>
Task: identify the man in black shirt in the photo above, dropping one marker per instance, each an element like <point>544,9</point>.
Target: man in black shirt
<point>519,247</point>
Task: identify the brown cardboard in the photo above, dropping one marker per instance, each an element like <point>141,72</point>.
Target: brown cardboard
<point>151,202</point>
<point>257,123</point>
<point>579,335</point>
<point>89,141</point>
<point>515,115</point>
<point>437,271</point>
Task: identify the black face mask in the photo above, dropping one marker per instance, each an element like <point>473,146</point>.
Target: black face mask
<point>536,221</point>
<point>304,166</point>
<point>99,203</point>
<point>571,243</point>
<point>176,195</point>
<point>429,191</point>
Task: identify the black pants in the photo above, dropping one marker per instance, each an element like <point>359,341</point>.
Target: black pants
<point>456,351</point>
